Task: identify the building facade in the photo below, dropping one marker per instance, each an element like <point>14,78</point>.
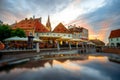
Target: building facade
<point>78,32</point>
<point>60,33</point>
<point>114,38</point>
<point>30,26</point>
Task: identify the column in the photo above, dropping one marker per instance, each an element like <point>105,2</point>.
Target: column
<point>86,48</point>
<point>70,46</point>
<point>58,46</point>
<point>37,46</point>
<point>77,45</point>
<point>82,45</point>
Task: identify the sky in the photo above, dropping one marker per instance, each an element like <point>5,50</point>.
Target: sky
<point>98,16</point>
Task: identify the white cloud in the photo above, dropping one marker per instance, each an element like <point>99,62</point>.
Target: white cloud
<point>75,9</point>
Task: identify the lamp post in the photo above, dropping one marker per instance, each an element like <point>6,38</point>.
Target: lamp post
<point>30,42</point>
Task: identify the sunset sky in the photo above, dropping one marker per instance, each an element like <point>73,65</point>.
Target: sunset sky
<point>98,16</point>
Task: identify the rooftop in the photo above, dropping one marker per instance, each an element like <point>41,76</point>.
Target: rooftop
<point>115,33</point>
<point>60,28</point>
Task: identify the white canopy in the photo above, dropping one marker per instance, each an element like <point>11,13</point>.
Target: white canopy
<point>76,40</point>
<point>21,39</point>
<point>91,43</point>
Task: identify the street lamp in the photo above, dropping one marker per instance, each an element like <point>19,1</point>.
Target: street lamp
<point>30,41</point>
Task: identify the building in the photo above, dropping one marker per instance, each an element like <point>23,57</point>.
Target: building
<point>97,42</point>
<point>78,32</point>
<point>114,38</point>
<point>48,24</point>
<point>30,26</point>
<point>60,33</point>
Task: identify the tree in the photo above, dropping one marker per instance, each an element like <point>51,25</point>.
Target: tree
<point>18,32</point>
<point>5,32</point>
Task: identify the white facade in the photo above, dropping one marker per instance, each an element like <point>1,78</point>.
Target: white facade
<point>114,41</point>
<point>84,33</point>
<point>50,34</point>
<point>78,32</point>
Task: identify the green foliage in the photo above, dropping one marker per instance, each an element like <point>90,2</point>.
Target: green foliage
<point>5,32</point>
<point>18,32</point>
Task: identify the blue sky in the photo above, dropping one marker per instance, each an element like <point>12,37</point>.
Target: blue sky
<point>99,16</point>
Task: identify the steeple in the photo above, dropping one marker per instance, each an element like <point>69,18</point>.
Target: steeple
<point>48,24</point>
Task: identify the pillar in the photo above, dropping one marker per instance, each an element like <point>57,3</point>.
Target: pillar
<point>77,45</point>
<point>70,46</point>
<point>58,46</point>
<point>82,45</point>
<point>86,48</point>
<point>38,49</point>
<point>86,45</point>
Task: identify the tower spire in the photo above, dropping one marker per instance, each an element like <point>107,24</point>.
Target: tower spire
<point>48,24</point>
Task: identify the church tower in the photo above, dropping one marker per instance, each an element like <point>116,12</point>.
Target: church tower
<point>48,24</point>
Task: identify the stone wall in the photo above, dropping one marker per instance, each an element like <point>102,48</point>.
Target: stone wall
<point>112,50</point>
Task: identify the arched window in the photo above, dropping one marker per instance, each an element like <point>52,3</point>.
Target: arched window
<point>118,44</point>
<point>112,44</point>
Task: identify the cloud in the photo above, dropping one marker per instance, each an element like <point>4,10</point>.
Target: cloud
<point>91,14</point>
<point>20,9</point>
<point>103,19</point>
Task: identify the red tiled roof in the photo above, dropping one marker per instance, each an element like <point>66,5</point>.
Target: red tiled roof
<point>31,24</point>
<point>76,29</point>
<point>25,23</point>
<point>60,28</point>
<point>40,27</point>
<point>98,42</point>
<point>84,38</point>
<point>115,33</point>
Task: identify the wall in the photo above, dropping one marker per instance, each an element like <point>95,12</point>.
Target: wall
<point>63,35</point>
<point>112,50</point>
<point>114,40</point>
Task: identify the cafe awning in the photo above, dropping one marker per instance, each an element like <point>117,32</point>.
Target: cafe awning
<point>90,43</point>
<point>16,38</point>
<point>76,40</point>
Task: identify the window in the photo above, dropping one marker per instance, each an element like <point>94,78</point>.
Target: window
<point>37,34</point>
<point>79,35</point>
<point>117,39</point>
<point>47,33</point>
<point>112,44</point>
<point>53,34</point>
<point>69,35</point>
<point>111,39</point>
